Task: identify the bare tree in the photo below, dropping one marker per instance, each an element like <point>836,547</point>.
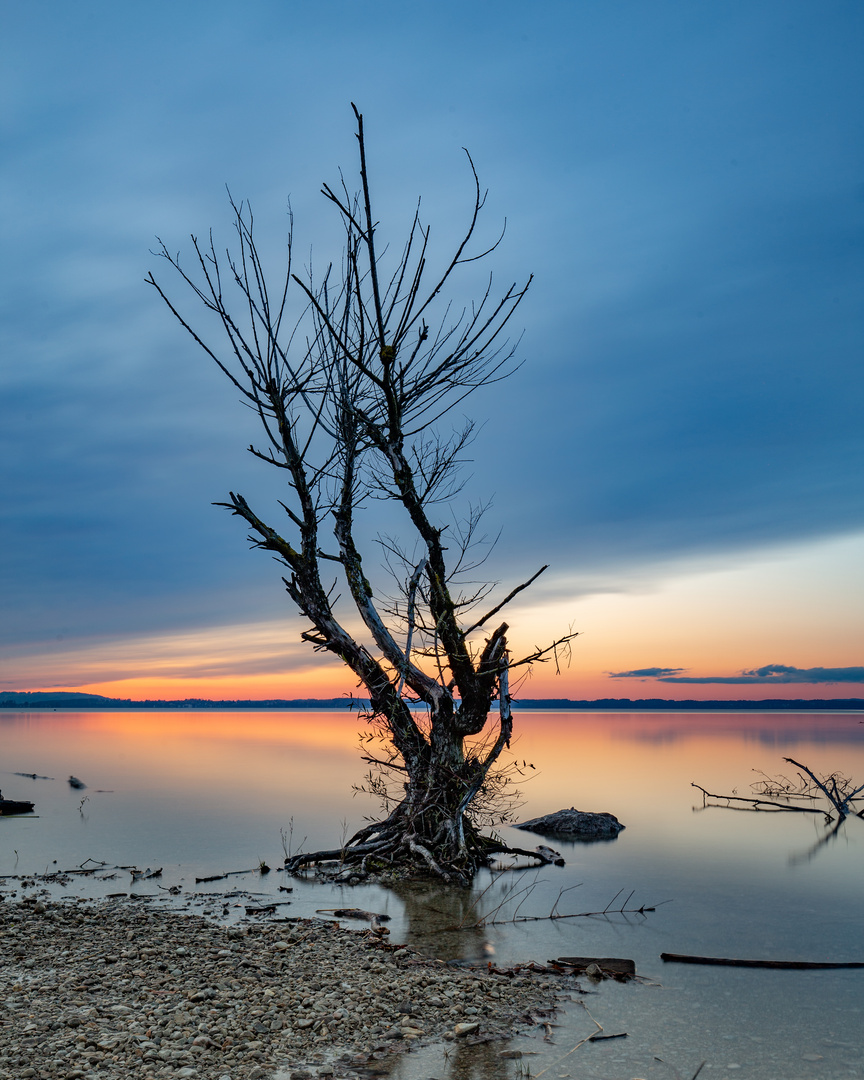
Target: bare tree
<point>350,389</point>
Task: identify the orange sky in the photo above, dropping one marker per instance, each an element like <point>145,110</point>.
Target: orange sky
<point>799,607</point>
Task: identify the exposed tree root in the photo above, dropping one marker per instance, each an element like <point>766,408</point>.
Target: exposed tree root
<point>392,848</point>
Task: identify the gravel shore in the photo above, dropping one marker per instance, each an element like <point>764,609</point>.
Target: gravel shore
<point>129,989</point>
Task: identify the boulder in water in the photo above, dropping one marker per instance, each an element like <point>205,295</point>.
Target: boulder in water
<point>579,824</point>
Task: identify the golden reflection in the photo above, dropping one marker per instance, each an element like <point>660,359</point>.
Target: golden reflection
<point>322,729</point>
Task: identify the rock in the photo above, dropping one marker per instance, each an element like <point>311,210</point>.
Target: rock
<point>183,1005</point>
<point>575,823</point>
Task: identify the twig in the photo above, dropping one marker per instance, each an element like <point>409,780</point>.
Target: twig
<point>553,915</point>
<point>228,873</point>
<point>588,1038</point>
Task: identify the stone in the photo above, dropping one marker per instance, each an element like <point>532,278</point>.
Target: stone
<point>461,1030</point>
<point>227,1015</point>
<point>580,824</point>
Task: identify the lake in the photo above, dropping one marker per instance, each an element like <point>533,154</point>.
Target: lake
<point>201,793</point>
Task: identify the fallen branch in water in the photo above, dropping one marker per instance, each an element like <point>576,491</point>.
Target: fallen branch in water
<point>837,789</point>
<point>788,965</point>
<point>229,873</point>
<point>554,914</point>
<point>756,804</point>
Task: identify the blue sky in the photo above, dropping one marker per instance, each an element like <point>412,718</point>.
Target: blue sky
<point>684,180</point>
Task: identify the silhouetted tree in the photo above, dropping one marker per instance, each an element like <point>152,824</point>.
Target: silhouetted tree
<point>350,389</point>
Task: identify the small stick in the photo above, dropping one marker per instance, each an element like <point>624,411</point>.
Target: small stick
<point>228,873</point>
<point>581,1042</point>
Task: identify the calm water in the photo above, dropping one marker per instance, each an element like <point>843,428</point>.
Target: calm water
<point>198,794</point>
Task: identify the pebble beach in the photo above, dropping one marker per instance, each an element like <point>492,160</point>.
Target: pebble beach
<point>119,988</point>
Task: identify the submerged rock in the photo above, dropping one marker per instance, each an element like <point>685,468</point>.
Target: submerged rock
<point>573,822</point>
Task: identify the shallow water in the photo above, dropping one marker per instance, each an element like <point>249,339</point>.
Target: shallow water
<point>197,794</point>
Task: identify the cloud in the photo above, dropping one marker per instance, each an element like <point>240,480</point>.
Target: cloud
<point>777,673</point>
<point>646,673</point>
<point>693,384</point>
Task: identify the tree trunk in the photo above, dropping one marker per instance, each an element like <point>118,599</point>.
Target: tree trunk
<point>349,397</point>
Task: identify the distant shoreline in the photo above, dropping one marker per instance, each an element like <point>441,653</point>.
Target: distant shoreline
<point>67,701</point>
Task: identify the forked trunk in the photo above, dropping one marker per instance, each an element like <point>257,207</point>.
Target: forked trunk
<point>431,830</point>
<point>350,396</point>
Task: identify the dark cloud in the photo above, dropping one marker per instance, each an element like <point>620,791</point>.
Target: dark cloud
<point>777,673</point>
<point>692,213</point>
<point>645,673</point>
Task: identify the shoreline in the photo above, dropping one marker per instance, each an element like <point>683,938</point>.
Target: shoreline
<point>114,988</point>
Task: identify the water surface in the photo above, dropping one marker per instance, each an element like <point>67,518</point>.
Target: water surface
<point>199,793</point>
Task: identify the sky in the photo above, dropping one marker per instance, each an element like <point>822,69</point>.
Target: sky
<point>683,443</point>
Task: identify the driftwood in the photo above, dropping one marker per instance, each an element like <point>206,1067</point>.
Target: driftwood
<point>608,965</point>
<point>263,869</point>
<point>353,913</point>
<point>787,965</point>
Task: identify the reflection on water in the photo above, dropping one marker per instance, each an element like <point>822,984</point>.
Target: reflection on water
<point>202,793</point>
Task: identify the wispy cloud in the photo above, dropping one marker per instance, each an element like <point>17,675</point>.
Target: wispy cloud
<point>646,673</point>
<point>254,649</point>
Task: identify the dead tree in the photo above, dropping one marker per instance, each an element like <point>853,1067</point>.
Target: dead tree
<point>351,387</point>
